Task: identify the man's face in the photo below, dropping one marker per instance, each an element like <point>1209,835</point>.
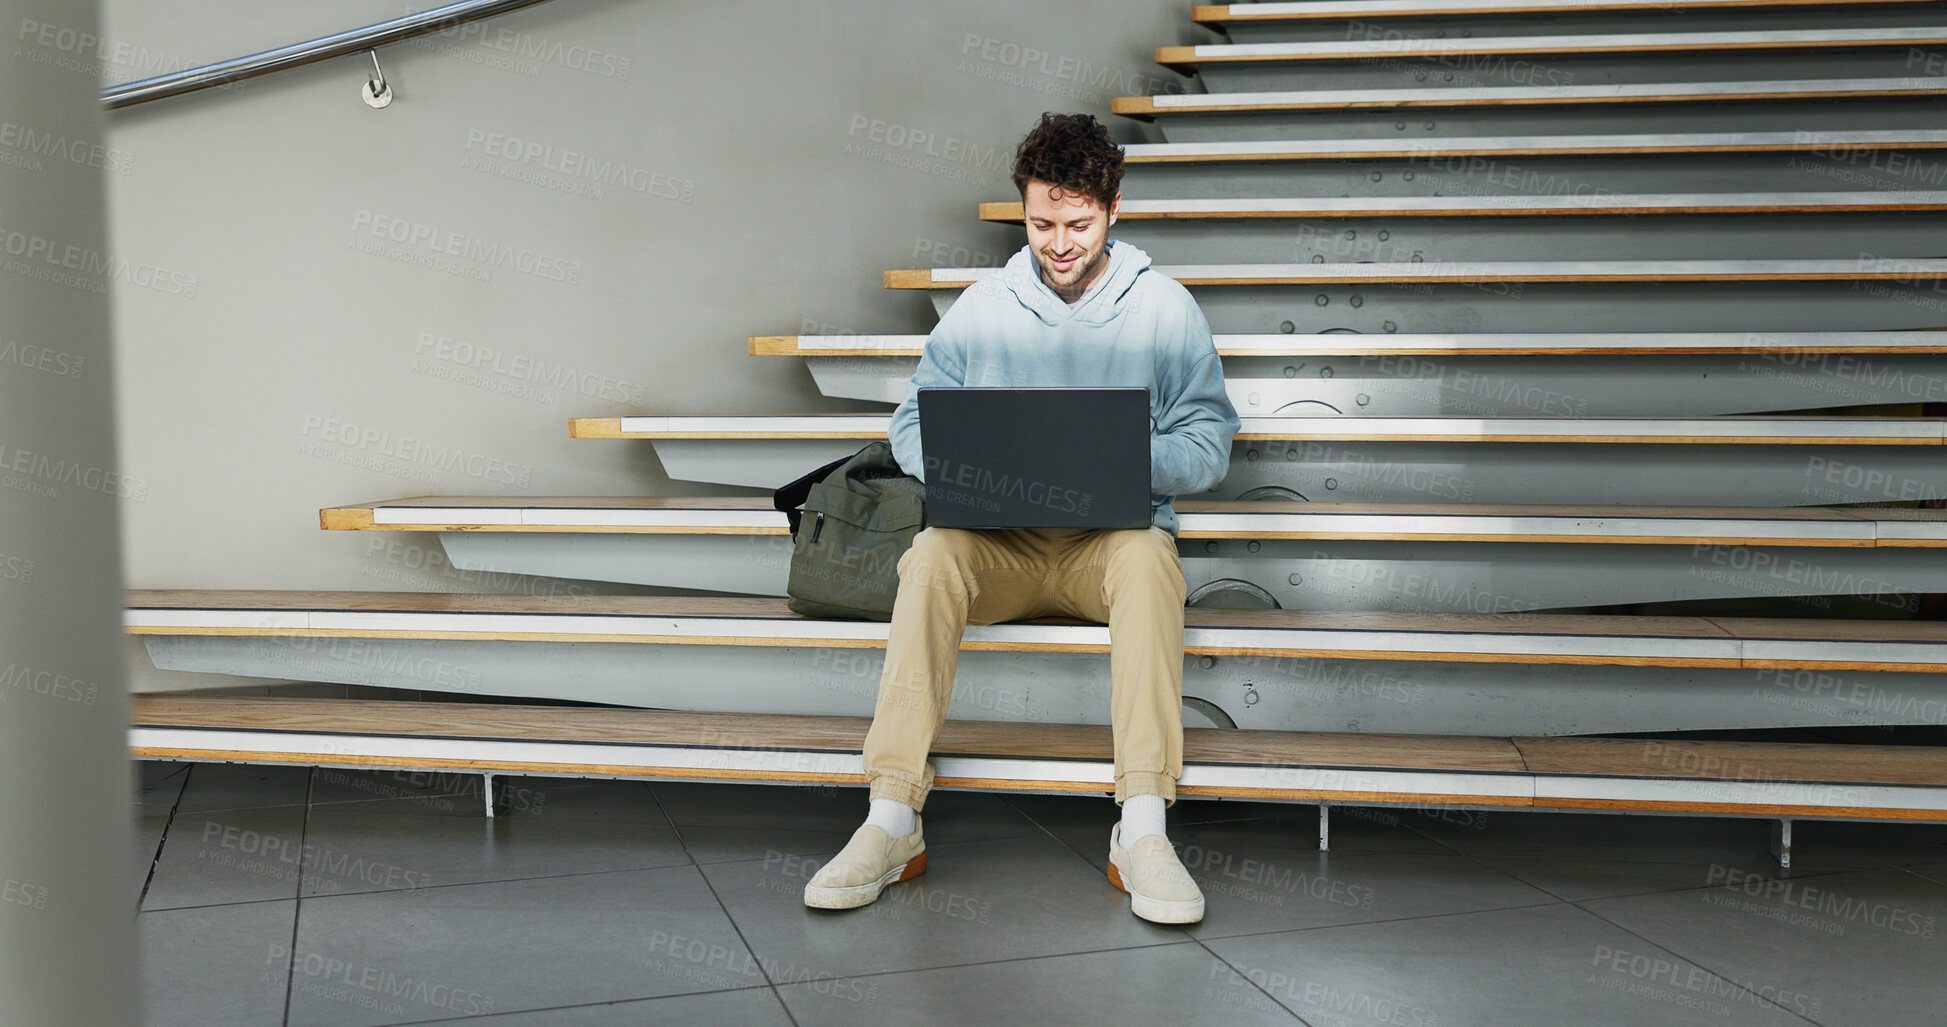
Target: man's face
<point>1069,234</point>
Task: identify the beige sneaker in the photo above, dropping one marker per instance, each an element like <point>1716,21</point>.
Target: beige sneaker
<point>862,869</point>
<point>1160,890</point>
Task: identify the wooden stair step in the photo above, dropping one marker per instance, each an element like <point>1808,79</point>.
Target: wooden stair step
<point>1762,779</point>
<point>1830,142</point>
<point>1877,268</point>
<point>1203,519</point>
<point>1591,205</point>
<point>1392,47</point>
<point>1481,345</point>
<point>1869,431</point>
<point>1313,10</point>
<point>1903,646</point>
<point>1529,96</point>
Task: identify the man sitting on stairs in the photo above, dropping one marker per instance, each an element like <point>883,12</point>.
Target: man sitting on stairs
<point>1072,308</point>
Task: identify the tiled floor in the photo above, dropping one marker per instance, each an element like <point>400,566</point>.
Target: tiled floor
<point>290,896</point>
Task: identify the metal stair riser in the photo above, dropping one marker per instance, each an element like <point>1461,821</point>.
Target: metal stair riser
<point>1501,472</point>
<point>1472,240</point>
<point>1562,23</point>
<point>1429,69</point>
<point>1565,306</point>
<point>1267,694</point>
<point>1838,167</point>
<point>1580,119</point>
<point>1512,386</point>
<point>1452,577</point>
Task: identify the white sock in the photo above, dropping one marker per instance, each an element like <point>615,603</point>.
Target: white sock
<point>893,817</point>
<point>1141,815</point>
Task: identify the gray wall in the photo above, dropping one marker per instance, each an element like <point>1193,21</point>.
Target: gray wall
<point>301,339</point>
<point>65,941</point>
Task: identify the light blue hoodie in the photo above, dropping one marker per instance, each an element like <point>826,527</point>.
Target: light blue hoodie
<point>1134,328</point>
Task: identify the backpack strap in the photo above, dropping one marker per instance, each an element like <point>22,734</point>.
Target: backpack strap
<point>789,499</point>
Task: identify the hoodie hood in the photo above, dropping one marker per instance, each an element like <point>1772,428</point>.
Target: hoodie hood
<point>1022,277</point>
<point>1135,329</point>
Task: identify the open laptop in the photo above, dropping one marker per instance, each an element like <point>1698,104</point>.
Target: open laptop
<point>1036,457</point>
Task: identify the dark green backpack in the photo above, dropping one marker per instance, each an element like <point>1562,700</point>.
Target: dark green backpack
<point>851,521</point>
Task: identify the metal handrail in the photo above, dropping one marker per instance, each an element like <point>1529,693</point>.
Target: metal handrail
<point>323,48</point>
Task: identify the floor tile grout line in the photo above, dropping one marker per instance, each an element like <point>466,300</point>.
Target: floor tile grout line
<point>581,1005</point>
<point>218,905</point>
<point>464,884</point>
<point>1764,1003</point>
<point>722,906</point>
<point>1247,979</point>
<point>1009,959</point>
<point>155,857</point>
<point>1383,920</point>
<point>1940,880</point>
<point>297,899</point>
<point>786,1006</point>
<point>674,828</point>
<point>1059,840</point>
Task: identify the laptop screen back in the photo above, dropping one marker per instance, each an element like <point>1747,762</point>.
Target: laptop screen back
<point>1036,457</point>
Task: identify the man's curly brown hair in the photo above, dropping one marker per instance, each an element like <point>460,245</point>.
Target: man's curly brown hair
<point>1072,152</point>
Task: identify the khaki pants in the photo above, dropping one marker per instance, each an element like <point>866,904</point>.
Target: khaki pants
<point>1131,580</point>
